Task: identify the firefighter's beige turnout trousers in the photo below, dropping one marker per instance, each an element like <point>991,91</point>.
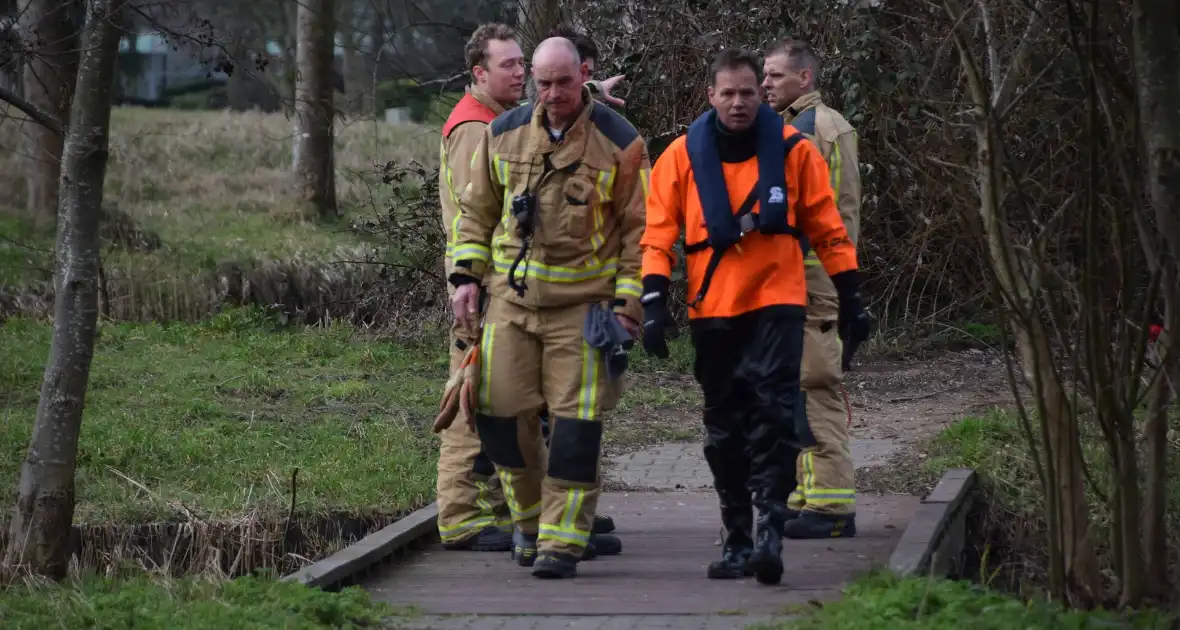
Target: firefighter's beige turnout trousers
<point>824,474</point>
<point>468,490</point>
<point>530,357</point>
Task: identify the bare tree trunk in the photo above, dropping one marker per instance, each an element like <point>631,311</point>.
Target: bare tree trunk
<point>534,19</point>
<point>48,83</point>
<point>39,532</point>
<point>1155,533</point>
<point>376,46</point>
<point>1072,557</point>
<point>1156,25</point>
<point>1157,52</point>
<point>313,153</point>
<point>236,94</point>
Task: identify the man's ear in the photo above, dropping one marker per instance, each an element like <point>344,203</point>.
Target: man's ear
<point>710,93</point>
<point>478,73</point>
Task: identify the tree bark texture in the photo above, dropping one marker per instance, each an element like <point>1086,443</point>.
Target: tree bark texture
<point>1156,31</point>
<point>534,19</point>
<point>39,530</point>
<point>49,75</point>
<point>313,151</point>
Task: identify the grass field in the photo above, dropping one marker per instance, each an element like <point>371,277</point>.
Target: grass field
<point>880,601</point>
<point>201,190</point>
<point>155,603</point>
<point>217,416</point>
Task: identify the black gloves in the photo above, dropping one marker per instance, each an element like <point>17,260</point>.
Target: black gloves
<point>656,317</point>
<point>854,324</point>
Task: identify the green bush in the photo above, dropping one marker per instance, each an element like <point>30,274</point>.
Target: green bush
<point>405,93</point>
<point>213,98</point>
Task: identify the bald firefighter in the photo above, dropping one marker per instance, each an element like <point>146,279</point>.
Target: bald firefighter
<point>554,214</point>
<point>472,513</point>
<point>746,190</point>
<point>823,504</point>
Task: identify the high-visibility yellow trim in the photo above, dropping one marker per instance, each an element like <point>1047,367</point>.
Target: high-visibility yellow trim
<point>471,251</point>
<point>588,396</point>
<point>519,512</point>
<point>825,497</point>
<point>569,535</point>
<point>485,380</point>
<point>626,287</point>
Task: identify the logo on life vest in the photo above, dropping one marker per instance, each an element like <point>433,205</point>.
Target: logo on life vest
<point>776,194</point>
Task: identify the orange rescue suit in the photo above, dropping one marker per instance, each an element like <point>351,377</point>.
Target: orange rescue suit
<point>761,270</point>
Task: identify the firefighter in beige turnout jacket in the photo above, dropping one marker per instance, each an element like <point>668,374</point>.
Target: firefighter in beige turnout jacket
<point>472,513</point>
<point>553,214</point>
<point>823,504</point>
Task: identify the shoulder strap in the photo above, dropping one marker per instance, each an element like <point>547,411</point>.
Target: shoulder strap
<point>746,225</point>
<point>751,199</point>
<point>805,121</point>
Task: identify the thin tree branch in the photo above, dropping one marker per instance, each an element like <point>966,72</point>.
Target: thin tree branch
<point>1004,90</point>
<point>40,116</point>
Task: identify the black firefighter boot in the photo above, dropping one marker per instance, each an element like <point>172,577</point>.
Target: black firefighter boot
<point>555,566</point>
<point>808,525</point>
<point>524,547</point>
<point>490,538</point>
<point>766,562</point>
<point>738,545</point>
<point>602,545</point>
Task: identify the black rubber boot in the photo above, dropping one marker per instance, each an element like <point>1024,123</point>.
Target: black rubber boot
<point>524,548</point>
<point>737,546</point>
<point>766,562</point>
<point>603,525</point>
<point>602,545</point>
<point>490,538</point>
<point>808,525</point>
<point>555,566</point>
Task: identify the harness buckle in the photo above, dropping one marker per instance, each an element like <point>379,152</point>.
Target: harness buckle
<point>746,223</point>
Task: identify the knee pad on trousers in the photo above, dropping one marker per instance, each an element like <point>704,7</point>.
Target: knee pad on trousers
<point>799,435</point>
<point>483,464</point>
<point>500,440</point>
<point>574,446</point>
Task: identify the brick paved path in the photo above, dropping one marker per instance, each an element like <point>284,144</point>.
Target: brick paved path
<point>669,526</point>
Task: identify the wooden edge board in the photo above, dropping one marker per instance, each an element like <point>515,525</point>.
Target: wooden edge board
<point>924,533</point>
<point>369,550</point>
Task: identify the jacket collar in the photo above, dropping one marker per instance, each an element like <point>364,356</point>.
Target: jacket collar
<point>807,101</point>
<point>480,95</point>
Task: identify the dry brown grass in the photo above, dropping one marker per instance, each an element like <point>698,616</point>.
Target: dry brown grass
<point>166,161</point>
<point>214,189</point>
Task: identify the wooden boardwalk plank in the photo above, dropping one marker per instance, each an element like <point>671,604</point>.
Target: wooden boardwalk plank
<point>668,539</point>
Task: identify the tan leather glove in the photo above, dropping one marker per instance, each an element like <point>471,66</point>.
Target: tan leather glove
<point>459,393</point>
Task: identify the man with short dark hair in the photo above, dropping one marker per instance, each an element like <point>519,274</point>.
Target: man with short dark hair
<point>823,504</point>
<point>588,50</point>
<point>747,309</point>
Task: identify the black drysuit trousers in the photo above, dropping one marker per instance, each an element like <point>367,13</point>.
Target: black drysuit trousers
<point>755,420</point>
